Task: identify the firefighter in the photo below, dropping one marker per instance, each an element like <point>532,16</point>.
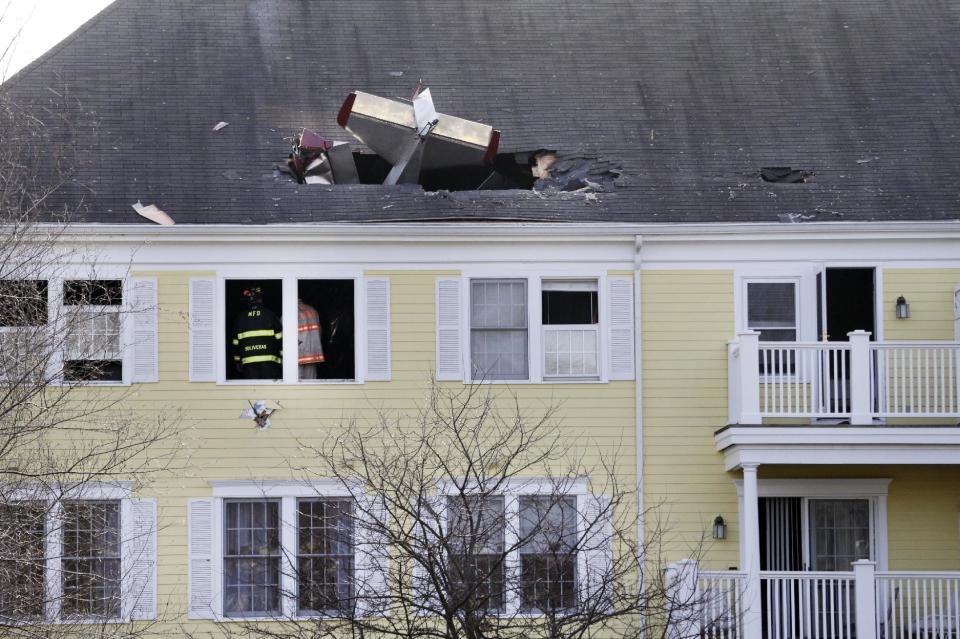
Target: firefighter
<point>258,339</point>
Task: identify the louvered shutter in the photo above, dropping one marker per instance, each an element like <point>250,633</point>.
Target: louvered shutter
<point>200,549</point>
<point>434,519</point>
<point>449,356</point>
<point>622,329</point>
<point>143,307</point>
<point>378,329</point>
<point>139,546</point>
<point>373,558</point>
<point>202,311</point>
<point>594,552</point>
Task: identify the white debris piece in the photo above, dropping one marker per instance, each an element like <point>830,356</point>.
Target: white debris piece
<point>220,125</point>
<point>260,411</point>
<point>153,213</point>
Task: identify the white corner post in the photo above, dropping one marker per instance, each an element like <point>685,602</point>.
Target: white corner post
<point>749,384</point>
<point>860,413</point>
<point>684,622</point>
<point>750,546</point>
<point>864,591</point>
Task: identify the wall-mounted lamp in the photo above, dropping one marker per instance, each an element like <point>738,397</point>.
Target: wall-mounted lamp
<point>903,309</point>
<point>719,528</point>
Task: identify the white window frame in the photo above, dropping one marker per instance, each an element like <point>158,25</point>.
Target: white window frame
<point>596,328</point>
<point>513,489</point>
<point>745,283</point>
<point>535,352</point>
<point>287,493</point>
<point>120,491</point>
<point>288,317</point>
<point>873,490</point>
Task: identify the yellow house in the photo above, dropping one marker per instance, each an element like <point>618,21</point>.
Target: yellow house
<point>769,355</point>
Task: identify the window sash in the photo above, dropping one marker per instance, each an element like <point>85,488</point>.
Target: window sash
<point>772,329</point>
<point>329,553</point>
<point>23,567</point>
<point>251,577</point>
<point>90,562</point>
<point>548,553</point>
<point>571,351</point>
<point>499,339</point>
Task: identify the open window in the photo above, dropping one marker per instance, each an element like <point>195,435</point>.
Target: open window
<point>571,337</point>
<point>325,330</point>
<point>254,330</point>
<point>92,320</point>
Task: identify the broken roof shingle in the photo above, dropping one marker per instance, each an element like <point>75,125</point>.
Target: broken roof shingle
<point>690,99</point>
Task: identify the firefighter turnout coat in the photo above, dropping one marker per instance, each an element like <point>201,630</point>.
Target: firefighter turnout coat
<point>258,337</point>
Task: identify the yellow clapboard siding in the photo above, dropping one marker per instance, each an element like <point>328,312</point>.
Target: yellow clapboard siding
<point>598,419</point>
<point>930,295</point>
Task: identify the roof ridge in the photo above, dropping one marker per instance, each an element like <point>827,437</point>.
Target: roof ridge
<point>55,49</point>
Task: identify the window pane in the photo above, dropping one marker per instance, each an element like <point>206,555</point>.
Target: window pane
<point>23,302</point>
<point>548,535</point>
<point>21,560</point>
<point>477,545</point>
<point>91,559</point>
<point>499,354</point>
<point>325,567</point>
<point>771,305</point>
<point>840,532</point>
<point>251,561</point>
<point>498,304</point>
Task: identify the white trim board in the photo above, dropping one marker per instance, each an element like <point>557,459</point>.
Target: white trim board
<point>825,445</point>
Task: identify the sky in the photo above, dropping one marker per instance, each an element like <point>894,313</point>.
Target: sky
<point>41,25</point>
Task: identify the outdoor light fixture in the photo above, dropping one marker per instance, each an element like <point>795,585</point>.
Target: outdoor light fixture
<point>719,528</point>
<point>903,309</point>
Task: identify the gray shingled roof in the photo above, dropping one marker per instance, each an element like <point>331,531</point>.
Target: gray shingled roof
<point>693,97</point>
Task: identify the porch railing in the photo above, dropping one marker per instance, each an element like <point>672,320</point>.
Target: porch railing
<point>856,380</point>
<point>860,604</point>
<point>918,605</point>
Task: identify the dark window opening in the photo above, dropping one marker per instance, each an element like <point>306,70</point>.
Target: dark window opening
<point>785,175</point>
<point>93,330</point>
<point>560,307</point>
<point>23,303</point>
<point>326,329</point>
<point>254,330</point>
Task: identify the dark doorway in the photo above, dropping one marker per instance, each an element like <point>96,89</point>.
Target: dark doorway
<point>850,302</point>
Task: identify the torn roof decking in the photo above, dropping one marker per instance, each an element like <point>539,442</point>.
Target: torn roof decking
<point>691,99</point>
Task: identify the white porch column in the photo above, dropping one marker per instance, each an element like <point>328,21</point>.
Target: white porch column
<point>864,592</point>
<point>860,409</point>
<point>750,530</point>
<point>749,377</point>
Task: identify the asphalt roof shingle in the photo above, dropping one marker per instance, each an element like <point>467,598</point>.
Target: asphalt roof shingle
<point>691,97</point>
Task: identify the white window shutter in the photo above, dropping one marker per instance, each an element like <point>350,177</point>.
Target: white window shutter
<point>378,329</point>
<point>373,557</point>
<point>139,547</point>
<point>431,528</point>
<point>449,356</point>
<point>202,310</point>
<point>143,307</point>
<point>594,551</point>
<point>200,561</point>
<point>622,329</point>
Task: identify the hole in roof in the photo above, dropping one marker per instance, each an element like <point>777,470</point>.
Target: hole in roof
<point>785,175</point>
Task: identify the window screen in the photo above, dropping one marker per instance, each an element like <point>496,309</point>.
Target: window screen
<point>548,558</point>
<point>325,555</point>
<point>251,560</point>
<point>21,560</point>
<point>772,310</point>
<point>477,550</point>
<point>91,559</point>
<point>498,329</point>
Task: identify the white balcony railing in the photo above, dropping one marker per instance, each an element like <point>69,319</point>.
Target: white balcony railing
<point>856,380</point>
<point>858,604</point>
